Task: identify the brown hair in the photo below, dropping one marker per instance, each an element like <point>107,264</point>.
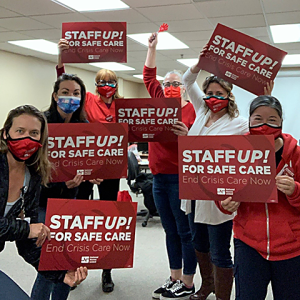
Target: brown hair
<point>227,86</point>
<point>101,74</point>
<point>39,161</point>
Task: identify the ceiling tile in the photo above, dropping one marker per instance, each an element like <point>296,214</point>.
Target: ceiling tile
<point>240,21</point>
<point>141,27</point>
<point>43,33</point>
<point>187,25</point>
<point>193,35</point>
<point>125,15</point>
<point>171,12</point>
<point>213,9</point>
<point>22,23</point>
<point>13,36</point>
<point>272,6</point>
<point>283,18</point>
<point>58,19</point>
<point>147,3</point>
<point>255,32</point>
<point>5,13</point>
<point>34,7</point>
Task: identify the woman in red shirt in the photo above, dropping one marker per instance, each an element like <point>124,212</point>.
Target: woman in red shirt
<point>163,162</point>
<point>267,235</point>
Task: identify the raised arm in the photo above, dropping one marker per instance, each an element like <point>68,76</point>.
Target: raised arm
<point>151,54</point>
<point>153,86</point>
<point>62,45</point>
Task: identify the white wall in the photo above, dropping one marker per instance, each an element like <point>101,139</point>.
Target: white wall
<point>28,80</point>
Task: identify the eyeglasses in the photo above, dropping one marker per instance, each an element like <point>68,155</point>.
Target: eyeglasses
<point>174,84</point>
<point>111,83</point>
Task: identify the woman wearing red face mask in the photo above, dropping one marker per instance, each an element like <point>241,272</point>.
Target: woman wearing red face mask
<point>267,236</point>
<point>99,108</point>
<point>24,166</point>
<point>163,162</point>
<point>217,114</point>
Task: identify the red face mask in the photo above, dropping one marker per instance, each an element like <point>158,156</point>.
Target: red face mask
<point>216,103</point>
<point>172,92</point>
<point>23,148</point>
<point>266,129</point>
<point>106,91</point>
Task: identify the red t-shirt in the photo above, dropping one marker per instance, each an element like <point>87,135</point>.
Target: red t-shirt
<point>96,109</point>
<point>163,157</point>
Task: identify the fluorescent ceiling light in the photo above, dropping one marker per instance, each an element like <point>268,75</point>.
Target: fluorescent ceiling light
<point>289,33</point>
<point>166,41</point>
<point>291,60</point>
<point>112,66</point>
<point>37,45</point>
<point>188,61</point>
<point>140,76</point>
<point>93,5</point>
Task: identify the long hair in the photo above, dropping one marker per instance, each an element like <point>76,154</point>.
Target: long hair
<point>227,86</point>
<point>79,114</point>
<point>39,160</point>
<point>102,74</point>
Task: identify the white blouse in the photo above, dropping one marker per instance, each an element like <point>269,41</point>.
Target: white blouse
<point>206,211</point>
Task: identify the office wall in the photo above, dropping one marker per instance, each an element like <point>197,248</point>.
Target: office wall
<point>28,80</point>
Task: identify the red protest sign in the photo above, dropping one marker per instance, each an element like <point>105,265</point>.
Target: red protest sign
<point>149,119</point>
<point>216,167</point>
<point>94,150</point>
<point>95,234</point>
<point>241,59</point>
<point>95,42</point>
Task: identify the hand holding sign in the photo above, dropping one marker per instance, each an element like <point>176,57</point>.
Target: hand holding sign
<point>74,278</point>
<point>230,205</point>
<point>285,184</point>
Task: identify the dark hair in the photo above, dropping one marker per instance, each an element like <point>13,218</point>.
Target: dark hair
<point>79,114</point>
<point>265,100</point>
<point>39,161</point>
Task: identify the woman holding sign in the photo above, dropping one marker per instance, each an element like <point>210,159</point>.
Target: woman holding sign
<point>217,114</point>
<point>99,107</point>
<point>163,162</point>
<point>267,236</point>
<point>67,104</point>
<point>24,166</point>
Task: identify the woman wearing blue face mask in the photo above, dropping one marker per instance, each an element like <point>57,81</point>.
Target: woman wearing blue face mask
<point>67,106</point>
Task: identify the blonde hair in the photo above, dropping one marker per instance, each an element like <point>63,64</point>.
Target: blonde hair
<point>102,74</point>
<point>232,108</point>
<point>39,161</point>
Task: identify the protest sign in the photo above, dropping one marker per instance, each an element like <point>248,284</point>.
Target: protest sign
<point>149,119</point>
<point>95,42</point>
<point>95,234</point>
<point>216,167</point>
<point>94,150</point>
<point>241,59</point>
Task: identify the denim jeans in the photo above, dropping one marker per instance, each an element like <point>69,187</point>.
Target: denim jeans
<point>43,288</point>
<point>253,273</point>
<point>175,223</point>
<point>212,238</point>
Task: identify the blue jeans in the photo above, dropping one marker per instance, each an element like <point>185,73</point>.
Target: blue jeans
<point>253,273</point>
<point>175,223</point>
<point>212,238</point>
<point>43,288</point>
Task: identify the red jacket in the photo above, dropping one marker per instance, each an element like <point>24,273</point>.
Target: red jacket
<point>163,157</point>
<point>273,229</point>
<point>95,108</point>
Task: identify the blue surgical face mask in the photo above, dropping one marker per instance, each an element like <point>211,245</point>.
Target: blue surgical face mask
<point>68,104</point>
